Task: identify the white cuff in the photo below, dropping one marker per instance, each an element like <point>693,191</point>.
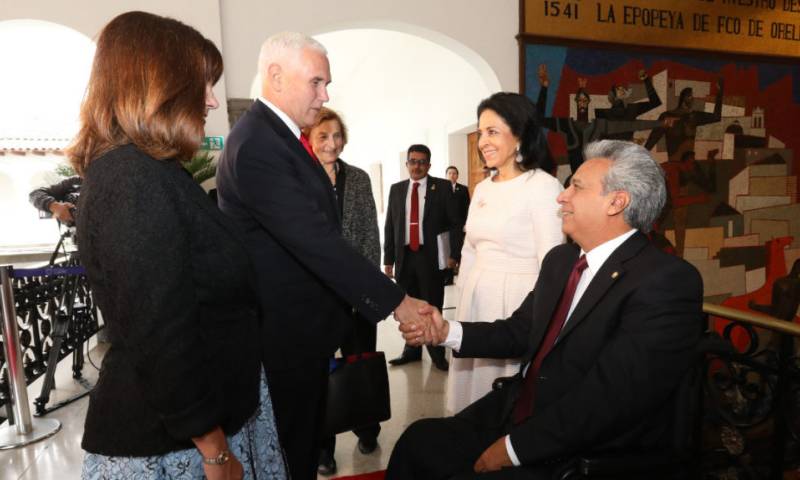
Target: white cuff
<point>511,454</point>
<point>454,336</point>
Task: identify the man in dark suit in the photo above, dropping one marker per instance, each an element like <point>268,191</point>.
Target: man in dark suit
<point>309,276</point>
<point>420,208</point>
<point>460,208</point>
<point>605,338</point>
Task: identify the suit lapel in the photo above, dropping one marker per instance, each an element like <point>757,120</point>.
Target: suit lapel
<point>283,131</point>
<point>549,289</point>
<point>430,186</point>
<point>560,279</point>
<point>305,162</point>
<point>611,272</point>
<point>428,198</point>
<point>402,193</point>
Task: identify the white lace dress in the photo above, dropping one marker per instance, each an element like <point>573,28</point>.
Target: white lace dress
<point>510,227</point>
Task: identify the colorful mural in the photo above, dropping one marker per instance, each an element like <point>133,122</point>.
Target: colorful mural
<point>727,133</point>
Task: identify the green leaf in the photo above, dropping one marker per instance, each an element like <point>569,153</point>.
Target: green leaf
<point>64,170</point>
<point>202,166</point>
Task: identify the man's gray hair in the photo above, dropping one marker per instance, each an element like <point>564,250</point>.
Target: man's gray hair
<point>635,171</point>
<point>277,46</point>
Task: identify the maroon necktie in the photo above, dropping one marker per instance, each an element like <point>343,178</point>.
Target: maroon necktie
<point>523,407</point>
<point>307,146</point>
<point>413,230</point>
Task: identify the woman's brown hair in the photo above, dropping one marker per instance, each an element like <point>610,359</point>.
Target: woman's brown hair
<point>148,88</point>
<point>323,116</point>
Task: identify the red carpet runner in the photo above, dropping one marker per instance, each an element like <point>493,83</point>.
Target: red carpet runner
<point>365,476</point>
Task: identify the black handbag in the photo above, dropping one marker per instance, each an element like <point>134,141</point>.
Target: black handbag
<point>358,392</point>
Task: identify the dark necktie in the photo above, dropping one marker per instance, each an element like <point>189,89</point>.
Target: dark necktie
<point>307,146</point>
<point>413,230</point>
<point>523,407</point>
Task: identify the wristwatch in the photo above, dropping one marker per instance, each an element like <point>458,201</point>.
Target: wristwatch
<point>220,459</point>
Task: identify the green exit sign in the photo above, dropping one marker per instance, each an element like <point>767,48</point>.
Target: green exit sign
<point>212,143</point>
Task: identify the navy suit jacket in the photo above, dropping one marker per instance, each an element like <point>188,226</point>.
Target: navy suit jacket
<point>308,274</point>
<point>608,383</point>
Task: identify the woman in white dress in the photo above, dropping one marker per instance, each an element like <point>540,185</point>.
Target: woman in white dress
<point>511,225</point>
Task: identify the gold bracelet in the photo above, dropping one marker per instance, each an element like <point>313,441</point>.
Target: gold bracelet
<point>220,459</point>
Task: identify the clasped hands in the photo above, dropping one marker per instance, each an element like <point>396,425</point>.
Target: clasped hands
<point>420,323</point>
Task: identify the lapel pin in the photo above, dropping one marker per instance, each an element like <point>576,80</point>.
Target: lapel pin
<point>615,275</point>
<point>433,187</point>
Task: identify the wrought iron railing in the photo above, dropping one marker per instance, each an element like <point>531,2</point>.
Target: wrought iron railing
<point>55,316</point>
<point>751,393</point>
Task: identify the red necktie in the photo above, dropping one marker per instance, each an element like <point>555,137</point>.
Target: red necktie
<point>523,407</point>
<point>413,230</point>
<point>307,146</point>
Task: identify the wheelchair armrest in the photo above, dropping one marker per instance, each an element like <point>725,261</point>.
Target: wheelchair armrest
<point>502,382</point>
<point>628,463</point>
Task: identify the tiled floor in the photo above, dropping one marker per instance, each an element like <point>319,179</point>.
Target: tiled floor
<point>417,391</point>
<point>60,456</point>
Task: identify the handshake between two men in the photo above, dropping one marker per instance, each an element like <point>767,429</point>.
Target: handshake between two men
<point>421,323</point>
<point>604,340</point>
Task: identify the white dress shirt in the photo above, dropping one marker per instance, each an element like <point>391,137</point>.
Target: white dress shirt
<point>423,187</point>
<point>595,260</point>
<point>277,111</point>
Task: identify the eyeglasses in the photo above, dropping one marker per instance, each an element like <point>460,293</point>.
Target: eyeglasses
<point>421,163</point>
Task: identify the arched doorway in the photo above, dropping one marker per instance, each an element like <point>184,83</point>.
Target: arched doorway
<point>397,84</point>
<point>40,94</point>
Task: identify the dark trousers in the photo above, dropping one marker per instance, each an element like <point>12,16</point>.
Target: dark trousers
<point>363,338</point>
<point>298,400</point>
<point>447,448</point>
<point>421,278</point>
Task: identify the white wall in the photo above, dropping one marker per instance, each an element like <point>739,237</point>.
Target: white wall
<point>19,175</point>
<point>394,89</point>
<point>37,104</point>
<point>89,16</point>
<point>483,30</point>
<point>480,32</point>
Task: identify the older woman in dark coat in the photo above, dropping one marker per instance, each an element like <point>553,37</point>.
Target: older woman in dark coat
<point>328,137</point>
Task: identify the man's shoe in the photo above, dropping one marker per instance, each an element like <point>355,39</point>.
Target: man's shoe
<point>441,364</point>
<point>327,464</point>
<point>367,445</point>
<point>403,359</point>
